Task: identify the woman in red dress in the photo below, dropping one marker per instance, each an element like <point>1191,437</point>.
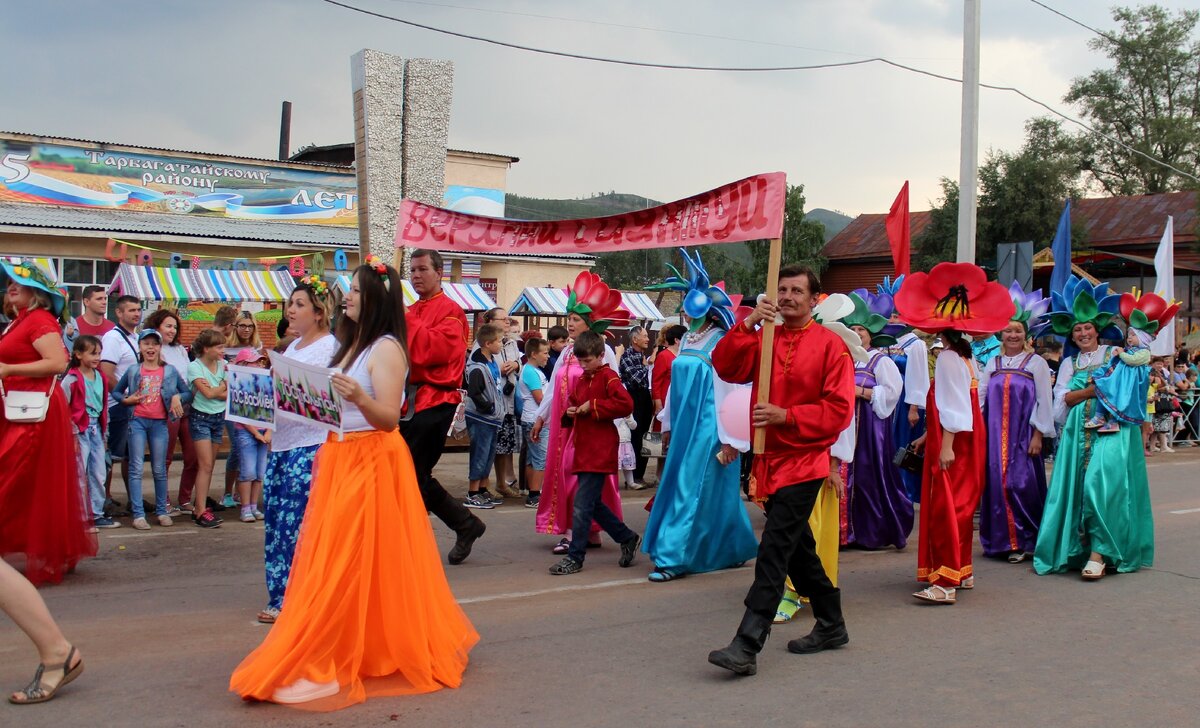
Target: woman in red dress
<point>43,513</point>
<point>953,299</point>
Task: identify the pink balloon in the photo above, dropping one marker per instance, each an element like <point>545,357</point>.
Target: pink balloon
<point>735,413</point>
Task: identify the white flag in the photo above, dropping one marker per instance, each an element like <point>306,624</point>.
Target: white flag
<point>1164,285</point>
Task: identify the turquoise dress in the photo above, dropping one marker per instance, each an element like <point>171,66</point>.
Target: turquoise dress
<point>1099,496</point>
<point>698,521</point>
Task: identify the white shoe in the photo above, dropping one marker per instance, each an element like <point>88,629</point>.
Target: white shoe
<point>140,524</point>
<point>1168,448</point>
<point>165,520</point>
<point>303,691</point>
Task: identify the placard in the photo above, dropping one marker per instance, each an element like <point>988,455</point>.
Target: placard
<point>251,399</point>
<point>305,393</point>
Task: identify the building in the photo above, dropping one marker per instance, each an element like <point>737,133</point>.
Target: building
<point>860,255</point>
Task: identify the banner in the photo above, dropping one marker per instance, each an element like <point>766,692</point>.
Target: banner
<point>251,399</point>
<point>304,393</point>
<point>97,177</point>
<point>750,209</point>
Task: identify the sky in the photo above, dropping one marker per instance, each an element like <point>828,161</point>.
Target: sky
<point>211,76</point>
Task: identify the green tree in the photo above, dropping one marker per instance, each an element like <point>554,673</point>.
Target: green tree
<point>803,240</point>
<point>938,242</point>
<point>1149,100</point>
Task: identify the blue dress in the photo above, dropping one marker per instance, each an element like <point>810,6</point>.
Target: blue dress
<point>698,522</point>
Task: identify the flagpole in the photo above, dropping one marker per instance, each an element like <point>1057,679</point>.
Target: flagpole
<point>768,342</point>
<point>969,145</point>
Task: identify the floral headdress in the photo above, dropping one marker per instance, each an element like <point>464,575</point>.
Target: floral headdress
<point>317,284</point>
<point>379,267</point>
<point>830,312</point>
<point>874,322</point>
<point>33,274</point>
<point>592,299</point>
<point>954,296</point>
<point>1031,309</point>
<point>701,299</point>
<point>1080,302</point>
<point>885,298</point>
<point>1147,314</point>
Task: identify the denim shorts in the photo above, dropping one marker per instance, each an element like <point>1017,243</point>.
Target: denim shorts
<point>205,426</point>
<point>535,452</point>
<point>252,455</point>
<point>483,449</point>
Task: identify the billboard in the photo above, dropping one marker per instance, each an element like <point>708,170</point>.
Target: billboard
<point>92,176</point>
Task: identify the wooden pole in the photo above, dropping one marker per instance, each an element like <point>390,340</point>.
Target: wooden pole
<point>768,342</point>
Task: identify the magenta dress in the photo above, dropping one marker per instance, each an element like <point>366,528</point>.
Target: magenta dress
<point>555,508</point>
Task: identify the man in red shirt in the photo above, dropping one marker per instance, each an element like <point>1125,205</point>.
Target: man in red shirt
<point>437,350</point>
<point>92,322</point>
<point>812,395</point>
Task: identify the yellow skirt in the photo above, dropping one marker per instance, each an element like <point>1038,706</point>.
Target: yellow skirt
<point>367,603</point>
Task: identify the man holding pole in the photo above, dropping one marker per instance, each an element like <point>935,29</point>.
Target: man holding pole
<point>808,388</point>
<point>437,349</point>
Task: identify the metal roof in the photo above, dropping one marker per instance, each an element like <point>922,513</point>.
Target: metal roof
<point>1136,219</point>
<point>150,223</point>
<point>866,236</point>
<point>553,302</point>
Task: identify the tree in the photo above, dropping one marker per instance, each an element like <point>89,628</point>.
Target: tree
<point>938,242</point>
<point>802,243</point>
<point>1149,100</point>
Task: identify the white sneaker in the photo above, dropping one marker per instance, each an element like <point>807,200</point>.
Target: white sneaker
<point>165,520</point>
<point>302,691</point>
<point>1168,448</point>
<point>140,524</point>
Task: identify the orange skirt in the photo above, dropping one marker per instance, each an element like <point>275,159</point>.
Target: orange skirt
<point>367,603</point>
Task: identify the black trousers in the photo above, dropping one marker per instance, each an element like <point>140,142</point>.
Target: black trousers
<point>425,435</point>
<point>643,412</point>
<point>788,549</point>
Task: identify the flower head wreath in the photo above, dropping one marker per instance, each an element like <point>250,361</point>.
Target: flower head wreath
<point>591,299</point>
<point>379,267</point>
<point>701,299</point>
<point>316,284</point>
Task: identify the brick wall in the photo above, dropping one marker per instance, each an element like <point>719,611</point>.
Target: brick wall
<point>191,329</point>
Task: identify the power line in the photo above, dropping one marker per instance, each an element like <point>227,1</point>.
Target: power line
<point>760,69</point>
<point>1080,23</point>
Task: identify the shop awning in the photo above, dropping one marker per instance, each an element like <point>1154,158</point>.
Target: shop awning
<point>553,302</point>
<point>151,283</point>
<point>470,296</point>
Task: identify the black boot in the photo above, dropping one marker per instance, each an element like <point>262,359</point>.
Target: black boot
<point>740,656</point>
<point>830,629</point>
<point>466,539</point>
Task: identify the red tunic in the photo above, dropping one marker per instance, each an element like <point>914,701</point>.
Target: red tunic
<point>43,510</point>
<point>437,349</point>
<point>596,438</point>
<point>812,377</point>
<point>660,381</point>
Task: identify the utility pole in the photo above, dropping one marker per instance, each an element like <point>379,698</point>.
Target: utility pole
<point>968,168</point>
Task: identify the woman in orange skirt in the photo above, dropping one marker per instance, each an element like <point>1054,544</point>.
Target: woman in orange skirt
<point>368,609</point>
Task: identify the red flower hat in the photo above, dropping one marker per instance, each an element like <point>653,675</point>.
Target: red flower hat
<point>1148,312</point>
<point>954,296</point>
<point>592,299</point>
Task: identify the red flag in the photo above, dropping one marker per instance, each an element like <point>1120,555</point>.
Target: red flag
<point>898,231</point>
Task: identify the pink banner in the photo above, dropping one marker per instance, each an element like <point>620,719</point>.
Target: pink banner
<point>749,209</point>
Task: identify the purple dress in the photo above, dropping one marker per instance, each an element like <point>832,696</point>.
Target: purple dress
<point>879,512</point>
<point>1015,491</point>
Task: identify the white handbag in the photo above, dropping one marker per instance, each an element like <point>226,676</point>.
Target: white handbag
<point>26,407</point>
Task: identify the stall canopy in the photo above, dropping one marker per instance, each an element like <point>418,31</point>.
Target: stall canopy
<point>151,283</point>
<point>470,296</point>
<point>553,302</point>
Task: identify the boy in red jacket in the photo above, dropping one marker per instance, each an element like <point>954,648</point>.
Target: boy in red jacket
<point>596,400</point>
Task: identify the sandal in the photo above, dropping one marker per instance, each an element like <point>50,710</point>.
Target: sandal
<point>1017,557</point>
<point>35,693</point>
<point>268,615</point>
<point>1094,571</point>
<point>659,576</point>
<point>788,606</point>
<point>967,583</point>
<point>562,547</point>
<point>937,594</point>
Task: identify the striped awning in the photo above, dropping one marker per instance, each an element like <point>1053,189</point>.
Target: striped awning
<point>151,283</point>
<point>553,302</point>
<point>470,296</point>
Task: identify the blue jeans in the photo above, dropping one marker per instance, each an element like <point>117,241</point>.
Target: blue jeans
<point>589,507</point>
<point>141,431</point>
<point>231,460</point>
<point>91,455</point>
<point>251,456</point>
<point>483,449</point>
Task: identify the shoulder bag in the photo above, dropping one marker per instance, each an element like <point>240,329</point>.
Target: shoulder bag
<point>27,407</point>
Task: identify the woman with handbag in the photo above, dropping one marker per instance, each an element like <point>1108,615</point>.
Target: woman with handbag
<point>37,448</point>
<point>1015,393</point>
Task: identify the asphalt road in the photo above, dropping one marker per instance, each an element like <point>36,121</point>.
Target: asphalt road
<point>163,617</point>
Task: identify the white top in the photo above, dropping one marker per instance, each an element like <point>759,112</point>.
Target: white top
<point>121,349</point>
<point>353,419</point>
<point>177,356</point>
<point>290,434</point>
<point>721,390</point>
<point>543,412</point>
<point>916,378</point>
<point>625,426</point>
<point>888,386</point>
<point>843,448</point>
<point>1042,417</point>
<point>1066,372</point>
<point>952,395</point>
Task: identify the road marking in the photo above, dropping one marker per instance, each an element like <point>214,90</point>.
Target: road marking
<point>1185,510</point>
<point>553,590</point>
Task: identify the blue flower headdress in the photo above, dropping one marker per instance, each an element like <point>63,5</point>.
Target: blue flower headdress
<point>1080,302</point>
<point>701,299</point>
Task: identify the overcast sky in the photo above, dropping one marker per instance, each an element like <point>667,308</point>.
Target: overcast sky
<point>210,77</point>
